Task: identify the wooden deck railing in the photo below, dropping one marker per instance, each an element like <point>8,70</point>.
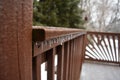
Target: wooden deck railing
<point>67,44</point>
<point>103,47</point>
<point>21,53</point>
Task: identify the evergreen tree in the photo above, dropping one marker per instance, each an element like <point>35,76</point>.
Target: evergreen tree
<point>59,13</point>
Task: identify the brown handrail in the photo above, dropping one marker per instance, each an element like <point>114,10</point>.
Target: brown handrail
<point>68,44</point>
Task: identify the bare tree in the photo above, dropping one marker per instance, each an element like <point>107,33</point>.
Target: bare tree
<point>101,13</point>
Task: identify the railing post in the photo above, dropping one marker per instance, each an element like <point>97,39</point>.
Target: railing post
<point>15,40</point>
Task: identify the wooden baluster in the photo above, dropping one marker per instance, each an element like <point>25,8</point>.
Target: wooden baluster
<point>60,52</point>
<point>75,59</point>
<point>70,60</point>
<point>69,68</point>
<point>72,64</point>
<point>66,61</point>
<point>37,68</point>
<point>119,49</point>
<point>110,46</point>
<point>114,47</point>
<point>50,64</point>
<point>84,46</point>
<point>80,55</point>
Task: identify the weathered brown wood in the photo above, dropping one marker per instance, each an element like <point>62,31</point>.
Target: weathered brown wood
<point>91,53</point>
<point>43,57</point>
<point>66,60</point>
<point>84,46</point>
<point>81,55</point>
<point>103,33</point>
<point>98,55</point>
<point>97,46</point>
<point>108,37</point>
<point>73,60</point>
<point>105,61</point>
<point>50,64</point>
<point>106,43</point>
<point>37,67</point>
<point>60,52</point>
<point>108,53</point>
<point>40,47</point>
<point>78,58</point>
<point>15,40</point>
<point>70,60</point>
<point>115,54</point>
<point>100,44</point>
<point>49,32</point>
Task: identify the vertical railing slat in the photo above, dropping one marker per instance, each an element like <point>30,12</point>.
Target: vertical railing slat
<point>99,39</point>
<point>100,43</point>
<point>81,56</point>
<point>119,48</point>
<point>76,61</point>
<point>37,68</point>
<point>101,56</point>
<point>106,45</point>
<point>50,64</point>
<point>98,56</point>
<point>70,60</point>
<point>98,47</point>
<point>110,47</point>
<point>114,46</point>
<point>60,52</point>
<point>84,46</point>
<point>66,60</point>
<point>73,60</point>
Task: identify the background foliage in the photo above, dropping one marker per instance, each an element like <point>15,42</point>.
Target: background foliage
<point>65,13</point>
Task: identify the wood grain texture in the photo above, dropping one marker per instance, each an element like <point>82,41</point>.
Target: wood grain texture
<point>15,40</point>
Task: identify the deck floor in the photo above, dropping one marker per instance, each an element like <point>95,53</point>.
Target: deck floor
<point>93,71</point>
